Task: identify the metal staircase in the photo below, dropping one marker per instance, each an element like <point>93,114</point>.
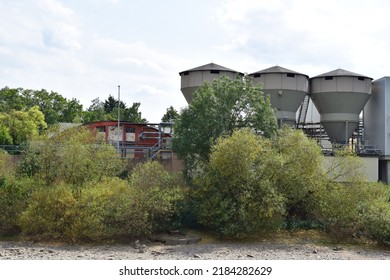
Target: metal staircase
<point>303,111</point>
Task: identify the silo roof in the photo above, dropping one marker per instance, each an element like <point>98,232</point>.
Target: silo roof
<point>342,73</point>
<point>211,66</point>
<point>278,69</point>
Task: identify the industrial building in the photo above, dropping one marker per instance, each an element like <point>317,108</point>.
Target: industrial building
<point>349,108</point>
<point>139,141</point>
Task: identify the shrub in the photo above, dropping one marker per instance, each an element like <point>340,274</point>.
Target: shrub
<point>72,156</point>
<point>301,172</point>
<point>345,208</point>
<point>236,196</point>
<point>338,209</point>
<point>376,220</point>
<point>50,213</point>
<point>109,208</point>
<point>13,201</point>
<point>376,213</point>
<point>160,193</point>
<point>104,209</point>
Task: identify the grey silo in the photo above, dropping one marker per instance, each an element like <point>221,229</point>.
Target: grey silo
<point>286,88</point>
<point>377,124</point>
<point>339,97</point>
<point>193,78</point>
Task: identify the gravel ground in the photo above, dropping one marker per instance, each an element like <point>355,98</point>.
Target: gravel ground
<point>264,250</point>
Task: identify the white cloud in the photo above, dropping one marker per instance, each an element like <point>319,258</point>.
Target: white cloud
<point>307,34</point>
<point>70,47</point>
<point>59,28</point>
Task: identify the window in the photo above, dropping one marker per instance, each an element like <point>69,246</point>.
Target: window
<point>130,130</point>
<point>101,129</point>
<point>214,71</point>
<point>290,75</point>
<point>257,75</point>
<point>329,78</point>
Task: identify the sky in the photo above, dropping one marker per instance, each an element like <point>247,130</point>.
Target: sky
<point>85,49</point>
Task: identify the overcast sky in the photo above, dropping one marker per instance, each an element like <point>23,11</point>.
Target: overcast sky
<point>84,49</point>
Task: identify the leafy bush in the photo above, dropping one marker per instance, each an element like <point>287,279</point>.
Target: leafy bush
<point>338,209</point>
<point>6,166</point>
<point>109,208</point>
<point>301,172</point>
<point>236,196</point>
<point>72,156</point>
<point>14,194</point>
<point>50,212</point>
<point>347,208</point>
<point>376,218</point>
<point>161,193</point>
<point>105,208</point>
<point>13,200</point>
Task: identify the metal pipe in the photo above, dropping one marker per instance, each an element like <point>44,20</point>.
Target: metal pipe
<point>119,98</point>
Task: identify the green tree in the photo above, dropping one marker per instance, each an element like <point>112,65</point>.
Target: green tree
<point>132,114</point>
<point>170,115</point>
<point>108,110</point>
<point>95,111</point>
<point>111,105</point>
<point>217,109</point>
<point>5,137</point>
<point>12,99</point>
<point>72,112</point>
<point>54,106</point>
<point>23,125</point>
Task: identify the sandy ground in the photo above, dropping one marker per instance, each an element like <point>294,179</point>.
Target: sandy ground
<point>264,250</point>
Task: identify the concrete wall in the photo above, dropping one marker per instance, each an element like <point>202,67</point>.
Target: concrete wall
<point>369,169</point>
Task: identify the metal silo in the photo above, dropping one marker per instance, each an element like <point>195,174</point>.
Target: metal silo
<point>193,78</point>
<point>286,89</point>
<point>339,97</point>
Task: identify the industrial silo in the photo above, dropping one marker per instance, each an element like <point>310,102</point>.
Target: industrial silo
<point>193,78</point>
<point>286,89</point>
<point>339,97</point>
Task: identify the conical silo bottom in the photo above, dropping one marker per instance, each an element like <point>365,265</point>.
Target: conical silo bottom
<point>340,132</point>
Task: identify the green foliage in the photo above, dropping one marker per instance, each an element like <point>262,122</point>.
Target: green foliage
<point>95,112</point>
<point>5,137</point>
<point>170,115</point>
<point>108,208</point>
<point>54,107</point>
<point>14,194</point>
<point>376,218</point>
<point>301,172</point>
<point>162,190</point>
<point>72,156</point>
<point>218,109</point>
<point>344,209</point>
<point>50,213</point>
<point>338,208</point>
<point>108,110</point>
<point>21,126</point>
<point>6,165</point>
<point>236,196</point>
